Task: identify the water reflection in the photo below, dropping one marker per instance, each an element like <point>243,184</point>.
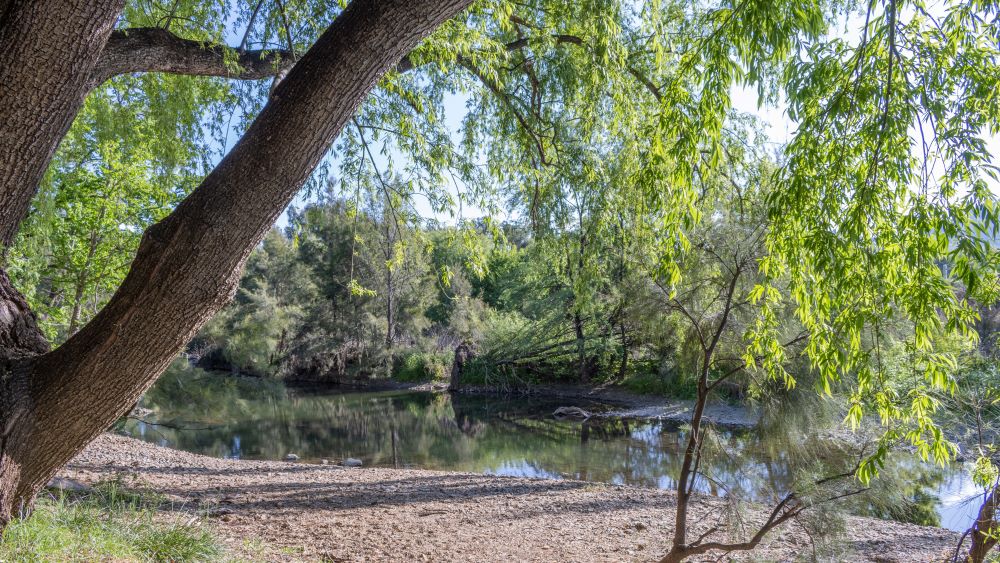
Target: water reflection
<point>253,419</point>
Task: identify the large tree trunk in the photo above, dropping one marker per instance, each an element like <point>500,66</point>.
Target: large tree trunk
<point>188,265</point>
<point>49,50</point>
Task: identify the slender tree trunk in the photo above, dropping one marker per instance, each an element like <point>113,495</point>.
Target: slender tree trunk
<point>390,331</point>
<point>581,347</point>
<point>685,480</point>
<point>985,529</point>
<point>188,265</point>
<point>680,548</point>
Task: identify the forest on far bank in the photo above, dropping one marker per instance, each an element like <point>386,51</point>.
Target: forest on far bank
<point>360,289</point>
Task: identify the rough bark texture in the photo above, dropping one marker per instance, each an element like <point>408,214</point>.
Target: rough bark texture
<point>463,354</point>
<point>984,530</point>
<point>50,47</point>
<point>153,49</point>
<point>49,50</point>
<point>188,265</point>
<point>19,333</point>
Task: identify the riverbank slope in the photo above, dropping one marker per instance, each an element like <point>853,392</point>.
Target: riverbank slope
<point>277,511</point>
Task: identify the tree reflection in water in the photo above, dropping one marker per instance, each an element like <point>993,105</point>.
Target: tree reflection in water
<point>257,419</point>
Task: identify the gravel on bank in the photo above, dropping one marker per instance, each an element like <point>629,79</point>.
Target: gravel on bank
<point>280,511</point>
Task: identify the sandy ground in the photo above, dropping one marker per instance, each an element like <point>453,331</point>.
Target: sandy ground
<point>279,511</point>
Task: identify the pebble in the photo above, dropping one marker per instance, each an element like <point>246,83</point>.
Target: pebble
<point>64,484</point>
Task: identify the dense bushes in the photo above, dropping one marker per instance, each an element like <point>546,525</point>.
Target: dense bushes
<point>345,293</point>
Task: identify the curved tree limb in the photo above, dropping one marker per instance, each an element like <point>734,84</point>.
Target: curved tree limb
<point>154,49</point>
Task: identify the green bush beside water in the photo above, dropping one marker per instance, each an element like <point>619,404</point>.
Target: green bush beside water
<point>423,366</point>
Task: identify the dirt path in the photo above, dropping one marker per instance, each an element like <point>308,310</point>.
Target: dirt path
<point>275,511</point>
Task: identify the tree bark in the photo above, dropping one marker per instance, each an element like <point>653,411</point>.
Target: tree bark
<point>50,48</point>
<point>19,334</point>
<point>985,528</point>
<point>680,548</point>
<point>188,265</point>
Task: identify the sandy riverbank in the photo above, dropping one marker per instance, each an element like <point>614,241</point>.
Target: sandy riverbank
<point>277,511</point>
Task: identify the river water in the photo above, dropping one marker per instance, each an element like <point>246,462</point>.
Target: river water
<point>251,419</point>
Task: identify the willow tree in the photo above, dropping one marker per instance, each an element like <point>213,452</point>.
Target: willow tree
<point>886,178</point>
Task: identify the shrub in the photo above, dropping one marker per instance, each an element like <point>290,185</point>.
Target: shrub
<point>423,366</point>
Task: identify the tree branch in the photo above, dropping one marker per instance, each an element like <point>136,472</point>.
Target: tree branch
<point>153,49</point>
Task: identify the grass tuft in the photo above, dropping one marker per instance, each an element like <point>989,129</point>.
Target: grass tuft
<point>108,523</point>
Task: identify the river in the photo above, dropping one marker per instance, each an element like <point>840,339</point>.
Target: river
<point>225,416</point>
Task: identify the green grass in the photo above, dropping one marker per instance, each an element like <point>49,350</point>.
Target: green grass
<point>106,524</point>
<point>423,366</point>
<point>647,382</point>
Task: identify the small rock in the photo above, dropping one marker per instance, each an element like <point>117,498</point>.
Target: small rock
<point>639,526</point>
<point>325,462</point>
<point>291,457</point>
<point>352,462</point>
<point>571,412</point>
<point>220,513</point>
<point>64,484</point>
